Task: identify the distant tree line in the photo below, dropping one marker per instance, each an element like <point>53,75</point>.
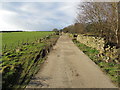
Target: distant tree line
<point>99,19</point>
<point>9,31</point>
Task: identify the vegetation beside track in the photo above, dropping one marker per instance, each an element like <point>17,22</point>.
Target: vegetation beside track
<point>111,68</point>
<point>20,63</point>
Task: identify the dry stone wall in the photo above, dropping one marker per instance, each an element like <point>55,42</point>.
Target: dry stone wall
<point>94,42</point>
<point>109,54</point>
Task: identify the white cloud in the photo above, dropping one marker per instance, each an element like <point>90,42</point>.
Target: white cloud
<point>5,20</point>
<point>36,16</point>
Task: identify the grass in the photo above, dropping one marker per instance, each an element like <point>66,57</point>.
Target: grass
<point>22,61</point>
<point>111,68</point>
<point>13,39</point>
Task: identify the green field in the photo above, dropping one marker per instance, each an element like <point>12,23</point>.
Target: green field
<point>22,53</point>
<point>13,39</point>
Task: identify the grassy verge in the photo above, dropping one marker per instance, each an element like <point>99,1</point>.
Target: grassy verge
<point>111,68</point>
<point>20,64</point>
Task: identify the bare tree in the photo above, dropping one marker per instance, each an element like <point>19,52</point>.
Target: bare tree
<point>102,18</point>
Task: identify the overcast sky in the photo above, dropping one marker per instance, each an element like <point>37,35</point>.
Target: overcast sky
<point>36,15</point>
